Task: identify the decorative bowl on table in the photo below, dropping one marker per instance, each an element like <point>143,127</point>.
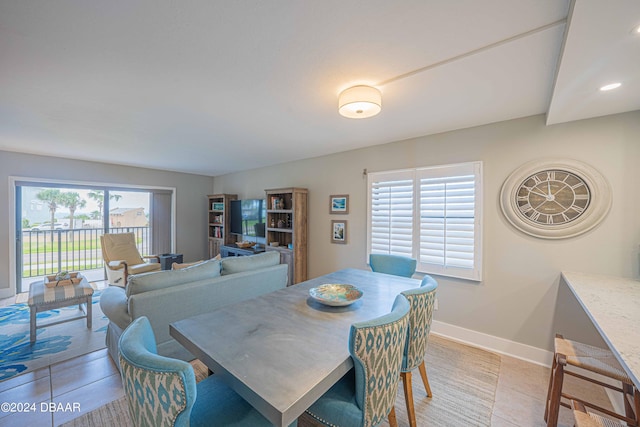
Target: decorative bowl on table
<point>336,294</point>
<point>245,244</point>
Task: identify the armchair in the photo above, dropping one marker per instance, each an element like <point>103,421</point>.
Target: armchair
<point>121,258</point>
<point>393,264</point>
<point>162,391</point>
<point>421,300</point>
<point>366,395</point>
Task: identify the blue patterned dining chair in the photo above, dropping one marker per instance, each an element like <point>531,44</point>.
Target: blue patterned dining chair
<point>421,301</point>
<point>392,264</point>
<point>365,396</point>
<point>161,391</point>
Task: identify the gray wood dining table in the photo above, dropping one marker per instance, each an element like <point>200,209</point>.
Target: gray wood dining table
<point>283,350</point>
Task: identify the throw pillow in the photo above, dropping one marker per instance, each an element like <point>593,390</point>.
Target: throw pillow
<point>239,264</point>
<point>144,282</point>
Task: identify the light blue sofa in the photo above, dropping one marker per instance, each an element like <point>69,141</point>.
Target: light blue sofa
<point>168,296</point>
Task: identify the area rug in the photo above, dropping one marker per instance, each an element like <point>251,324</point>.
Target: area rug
<point>53,343</point>
<point>463,381</point>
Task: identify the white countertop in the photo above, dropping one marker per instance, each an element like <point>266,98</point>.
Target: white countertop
<point>613,304</point>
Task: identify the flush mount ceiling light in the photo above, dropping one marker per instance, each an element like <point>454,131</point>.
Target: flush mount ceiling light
<point>610,86</point>
<point>360,102</point>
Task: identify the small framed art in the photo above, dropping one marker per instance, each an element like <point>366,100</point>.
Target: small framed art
<point>338,231</point>
<point>339,204</point>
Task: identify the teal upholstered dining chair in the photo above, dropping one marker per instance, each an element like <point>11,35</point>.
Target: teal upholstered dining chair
<point>365,396</point>
<point>392,264</point>
<point>421,301</point>
<point>161,391</point>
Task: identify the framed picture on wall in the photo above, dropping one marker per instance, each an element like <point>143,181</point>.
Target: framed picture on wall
<point>339,204</point>
<point>338,231</point>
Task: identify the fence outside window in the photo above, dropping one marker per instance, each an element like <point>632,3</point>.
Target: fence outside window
<point>47,252</point>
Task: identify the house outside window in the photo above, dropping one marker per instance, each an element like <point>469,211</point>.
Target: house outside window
<point>432,214</point>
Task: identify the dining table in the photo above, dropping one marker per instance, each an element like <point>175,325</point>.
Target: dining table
<point>283,350</point>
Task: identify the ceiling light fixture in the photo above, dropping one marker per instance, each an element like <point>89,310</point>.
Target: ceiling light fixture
<point>360,102</point>
<point>610,86</point>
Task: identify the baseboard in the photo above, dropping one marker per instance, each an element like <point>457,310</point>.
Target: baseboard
<point>492,343</point>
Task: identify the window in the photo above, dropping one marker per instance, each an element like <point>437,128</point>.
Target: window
<point>432,214</point>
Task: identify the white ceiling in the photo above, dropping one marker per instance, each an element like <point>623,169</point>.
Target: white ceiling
<point>212,87</point>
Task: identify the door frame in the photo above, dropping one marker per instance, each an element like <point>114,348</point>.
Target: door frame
<point>13,217</point>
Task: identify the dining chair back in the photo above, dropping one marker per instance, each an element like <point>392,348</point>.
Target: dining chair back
<point>421,301</point>
<point>365,396</point>
<point>392,264</point>
<point>162,391</point>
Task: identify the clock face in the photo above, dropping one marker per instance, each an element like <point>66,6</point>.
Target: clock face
<point>552,197</point>
<point>555,199</point>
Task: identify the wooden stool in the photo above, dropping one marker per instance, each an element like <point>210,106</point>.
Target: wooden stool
<point>594,359</point>
<point>587,419</point>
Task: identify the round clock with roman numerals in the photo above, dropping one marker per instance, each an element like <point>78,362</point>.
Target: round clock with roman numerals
<point>555,199</point>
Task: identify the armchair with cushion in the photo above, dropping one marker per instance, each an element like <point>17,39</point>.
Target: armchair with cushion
<point>162,391</point>
<point>122,258</point>
<point>393,264</point>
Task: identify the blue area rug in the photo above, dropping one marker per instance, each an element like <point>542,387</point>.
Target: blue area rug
<point>53,343</point>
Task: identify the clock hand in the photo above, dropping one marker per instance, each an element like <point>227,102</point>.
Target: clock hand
<point>539,194</point>
<point>549,188</point>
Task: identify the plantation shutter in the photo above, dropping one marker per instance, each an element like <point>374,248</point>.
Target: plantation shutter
<point>391,201</point>
<point>430,214</point>
<point>449,220</point>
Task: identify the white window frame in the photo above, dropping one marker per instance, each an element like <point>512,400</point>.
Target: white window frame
<point>474,169</point>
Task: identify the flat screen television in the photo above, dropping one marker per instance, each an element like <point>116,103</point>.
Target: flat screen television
<point>248,217</point>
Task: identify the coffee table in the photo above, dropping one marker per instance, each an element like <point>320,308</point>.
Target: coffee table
<point>43,298</point>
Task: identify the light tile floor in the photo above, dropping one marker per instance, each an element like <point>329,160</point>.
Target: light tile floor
<point>93,380</point>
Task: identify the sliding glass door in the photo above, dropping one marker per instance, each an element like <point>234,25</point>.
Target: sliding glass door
<point>58,226</point>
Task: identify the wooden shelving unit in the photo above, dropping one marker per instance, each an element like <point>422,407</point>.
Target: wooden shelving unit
<point>219,220</point>
<point>287,228</point>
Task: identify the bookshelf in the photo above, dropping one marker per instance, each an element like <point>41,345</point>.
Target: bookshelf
<point>286,229</point>
<point>219,220</point>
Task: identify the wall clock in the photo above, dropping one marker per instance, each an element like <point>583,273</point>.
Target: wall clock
<point>555,199</point>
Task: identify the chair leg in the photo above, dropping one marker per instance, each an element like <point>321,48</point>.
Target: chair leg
<point>393,422</point>
<point>425,380</point>
<point>408,397</point>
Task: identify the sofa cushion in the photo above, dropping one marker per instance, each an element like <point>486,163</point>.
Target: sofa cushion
<point>139,283</point>
<point>239,264</point>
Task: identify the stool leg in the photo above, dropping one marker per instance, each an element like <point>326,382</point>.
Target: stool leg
<point>546,406</point>
<point>556,391</point>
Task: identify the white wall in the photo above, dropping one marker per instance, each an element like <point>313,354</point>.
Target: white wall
<point>191,202</point>
<point>519,298</point>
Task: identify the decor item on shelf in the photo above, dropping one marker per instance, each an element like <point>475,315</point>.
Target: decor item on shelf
<point>555,199</point>
<point>274,244</point>
<point>360,102</point>
<point>338,231</point>
<point>282,223</point>
<point>245,244</point>
<point>62,278</point>
<point>339,204</point>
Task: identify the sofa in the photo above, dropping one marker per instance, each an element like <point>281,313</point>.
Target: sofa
<point>168,296</point>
